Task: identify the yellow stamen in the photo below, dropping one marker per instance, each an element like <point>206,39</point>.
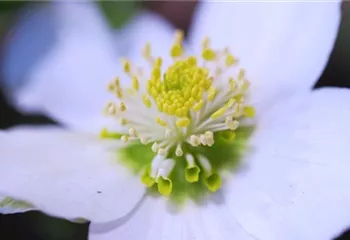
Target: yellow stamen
<point>249,111</point>
<point>161,122</point>
<point>219,113</point>
<point>135,83</point>
<point>126,66</point>
<point>146,101</point>
<point>183,122</point>
<point>208,54</point>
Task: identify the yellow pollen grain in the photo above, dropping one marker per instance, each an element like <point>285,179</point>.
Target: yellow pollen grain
<point>122,107</point>
<point>126,66</point>
<point>192,61</point>
<point>147,51</point>
<point>241,74</point>
<point>245,85</point>
<point>206,42</point>
<point>183,122</point>
<point>176,50</point>
<point>158,63</point>
<point>230,102</point>
<point>146,101</point>
<point>198,106</point>
<point>111,87</point>
<point>219,113</point>
<point>119,92</point>
<point>211,94</point>
<point>230,60</point>
<point>123,121</point>
<point>232,83</point>
<point>117,82</point>
<point>161,122</point>
<point>135,83</point>
<point>208,54</point>
<point>125,138</point>
<point>249,111</point>
<point>156,72</point>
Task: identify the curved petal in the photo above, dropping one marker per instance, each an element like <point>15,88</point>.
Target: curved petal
<point>66,174</point>
<point>283,46</point>
<point>146,27</point>
<point>293,185</point>
<point>295,182</point>
<point>69,79</point>
<point>65,69</point>
<point>155,219</point>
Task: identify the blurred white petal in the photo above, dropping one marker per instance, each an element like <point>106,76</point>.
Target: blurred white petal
<point>69,81</point>
<point>146,27</point>
<point>71,57</point>
<point>293,184</point>
<point>283,46</point>
<point>156,219</point>
<point>66,174</point>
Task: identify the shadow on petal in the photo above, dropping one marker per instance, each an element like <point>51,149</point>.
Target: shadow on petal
<point>99,228</point>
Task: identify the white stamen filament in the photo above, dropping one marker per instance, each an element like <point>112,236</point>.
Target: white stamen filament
<point>168,133</point>
<point>156,162</point>
<point>165,168</point>
<point>155,147</point>
<point>204,162</point>
<point>178,150</point>
<point>190,160</point>
<point>162,151</point>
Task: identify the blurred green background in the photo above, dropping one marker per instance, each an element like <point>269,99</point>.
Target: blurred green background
<point>35,225</point>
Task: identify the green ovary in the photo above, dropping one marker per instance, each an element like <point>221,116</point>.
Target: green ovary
<point>185,181</point>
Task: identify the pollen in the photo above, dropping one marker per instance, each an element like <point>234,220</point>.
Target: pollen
<point>180,112</point>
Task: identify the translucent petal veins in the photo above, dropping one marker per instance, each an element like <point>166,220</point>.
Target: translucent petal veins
<point>181,122</point>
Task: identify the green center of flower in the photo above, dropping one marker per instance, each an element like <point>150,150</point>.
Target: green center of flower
<point>181,124</point>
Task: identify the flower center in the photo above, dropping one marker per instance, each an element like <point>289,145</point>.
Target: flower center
<point>178,122</point>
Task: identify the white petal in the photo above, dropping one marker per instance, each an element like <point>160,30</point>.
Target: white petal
<point>66,174</point>
<point>147,27</point>
<point>66,66</point>
<point>155,219</point>
<point>69,82</point>
<point>295,182</point>
<point>293,185</point>
<point>283,46</point>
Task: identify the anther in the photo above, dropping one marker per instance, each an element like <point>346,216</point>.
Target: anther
<point>194,140</point>
<point>144,140</point>
<point>162,151</point>
<point>178,151</point>
<point>155,147</point>
<point>126,66</point>
<point>168,133</point>
<point>132,132</point>
<point>125,138</point>
<point>123,121</point>
<point>241,74</point>
<point>161,122</point>
<point>122,107</point>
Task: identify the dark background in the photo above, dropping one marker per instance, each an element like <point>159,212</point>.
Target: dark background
<point>35,225</point>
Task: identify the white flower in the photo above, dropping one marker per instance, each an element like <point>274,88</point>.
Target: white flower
<point>291,184</point>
